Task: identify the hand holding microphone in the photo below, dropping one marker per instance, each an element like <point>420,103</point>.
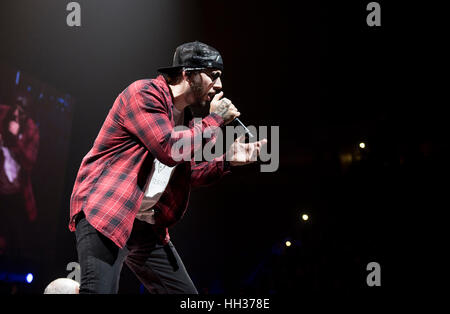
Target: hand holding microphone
<point>240,153</point>
<point>224,108</point>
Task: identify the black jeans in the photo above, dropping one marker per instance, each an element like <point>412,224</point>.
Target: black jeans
<point>157,266</point>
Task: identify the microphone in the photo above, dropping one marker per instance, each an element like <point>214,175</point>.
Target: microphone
<point>245,128</point>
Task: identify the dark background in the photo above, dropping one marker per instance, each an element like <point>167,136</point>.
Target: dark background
<point>313,68</point>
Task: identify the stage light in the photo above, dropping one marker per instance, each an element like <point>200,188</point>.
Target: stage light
<point>17,77</point>
<point>362,145</point>
<point>16,277</point>
<point>29,278</point>
<point>305,217</point>
<point>288,243</point>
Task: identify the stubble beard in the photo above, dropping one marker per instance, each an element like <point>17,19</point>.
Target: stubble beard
<point>198,94</point>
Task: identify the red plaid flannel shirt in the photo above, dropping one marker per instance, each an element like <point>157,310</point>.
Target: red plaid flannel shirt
<point>113,176</point>
<point>26,152</point>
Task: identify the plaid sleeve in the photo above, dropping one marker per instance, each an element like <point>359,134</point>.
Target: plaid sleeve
<point>27,147</point>
<point>209,172</point>
<point>147,117</point>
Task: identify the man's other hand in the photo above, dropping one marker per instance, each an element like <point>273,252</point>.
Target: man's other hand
<point>241,153</point>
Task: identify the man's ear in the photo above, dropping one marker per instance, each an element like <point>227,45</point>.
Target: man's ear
<point>188,76</point>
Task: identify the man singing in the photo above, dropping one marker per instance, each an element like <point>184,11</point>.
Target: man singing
<point>130,188</point>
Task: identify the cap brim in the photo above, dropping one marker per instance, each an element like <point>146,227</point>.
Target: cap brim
<point>169,70</point>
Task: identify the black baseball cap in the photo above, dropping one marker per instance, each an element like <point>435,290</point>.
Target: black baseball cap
<point>194,56</point>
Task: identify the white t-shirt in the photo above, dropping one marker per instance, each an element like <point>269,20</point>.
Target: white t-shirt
<point>158,179</point>
<point>11,167</point>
